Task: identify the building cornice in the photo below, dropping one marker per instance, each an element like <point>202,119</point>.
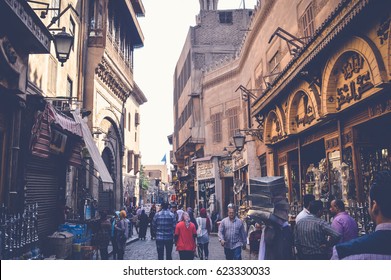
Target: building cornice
<point>110,77</point>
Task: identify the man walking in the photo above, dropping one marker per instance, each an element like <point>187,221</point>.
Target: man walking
<point>232,235</point>
<point>377,245</point>
<point>314,236</point>
<point>342,222</point>
<point>164,223</point>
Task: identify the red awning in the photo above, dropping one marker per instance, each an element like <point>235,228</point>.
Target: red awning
<point>41,133</point>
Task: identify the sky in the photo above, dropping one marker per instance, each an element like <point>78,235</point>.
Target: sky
<point>165,27</point>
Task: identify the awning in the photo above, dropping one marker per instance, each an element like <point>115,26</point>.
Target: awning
<point>94,152</point>
<point>203,159</point>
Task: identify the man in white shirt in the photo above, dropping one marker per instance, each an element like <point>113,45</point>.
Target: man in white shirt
<point>306,203</point>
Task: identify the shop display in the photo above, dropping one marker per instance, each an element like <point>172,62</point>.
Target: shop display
<point>372,161</point>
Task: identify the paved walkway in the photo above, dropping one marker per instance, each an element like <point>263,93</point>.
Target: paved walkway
<point>146,249</point>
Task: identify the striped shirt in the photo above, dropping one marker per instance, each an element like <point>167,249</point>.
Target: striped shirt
<point>232,232</point>
<point>311,236</point>
<point>164,224</point>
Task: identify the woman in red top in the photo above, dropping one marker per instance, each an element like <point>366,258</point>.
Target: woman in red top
<point>185,236</point>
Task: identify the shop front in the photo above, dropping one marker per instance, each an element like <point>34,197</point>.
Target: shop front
<point>327,127</point>
<point>240,182</point>
<point>209,185</point>
<point>226,175</point>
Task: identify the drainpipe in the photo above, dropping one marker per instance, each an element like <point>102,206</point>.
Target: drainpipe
<point>15,198</point>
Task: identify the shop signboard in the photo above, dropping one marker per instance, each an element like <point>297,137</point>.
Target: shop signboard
<point>205,170</point>
<point>239,159</point>
<point>226,168</point>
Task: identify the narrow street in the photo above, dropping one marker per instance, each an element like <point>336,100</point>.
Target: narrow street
<point>146,250</point>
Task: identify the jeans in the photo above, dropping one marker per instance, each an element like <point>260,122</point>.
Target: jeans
<point>233,254</point>
<point>160,245</point>
<point>203,251</point>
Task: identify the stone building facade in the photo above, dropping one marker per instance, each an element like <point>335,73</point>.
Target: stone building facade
<point>317,73</point>
<point>215,39</point>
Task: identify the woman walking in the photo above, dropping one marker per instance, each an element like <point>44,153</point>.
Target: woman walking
<point>113,236</point>
<point>150,218</point>
<point>122,234</point>
<point>143,225</point>
<point>203,231</point>
<point>185,235</point>
<point>103,235</point>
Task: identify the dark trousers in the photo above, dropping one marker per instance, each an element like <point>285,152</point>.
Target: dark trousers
<point>160,245</point>
<point>120,254</point>
<point>186,255</point>
<point>104,254</point>
<point>115,247</point>
<point>233,254</point>
<point>203,251</point>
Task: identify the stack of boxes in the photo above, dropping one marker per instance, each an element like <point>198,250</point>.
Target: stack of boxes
<point>269,202</point>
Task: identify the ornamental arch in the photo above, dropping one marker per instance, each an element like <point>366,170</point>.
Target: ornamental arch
<point>350,74</point>
<point>274,126</point>
<point>303,110</point>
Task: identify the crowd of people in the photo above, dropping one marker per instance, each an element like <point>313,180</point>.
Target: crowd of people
<point>309,238</point>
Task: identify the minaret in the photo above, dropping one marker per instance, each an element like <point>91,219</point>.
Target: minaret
<point>208,5</point>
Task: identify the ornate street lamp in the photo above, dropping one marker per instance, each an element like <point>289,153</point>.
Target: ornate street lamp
<point>239,140</point>
<point>63,43</point>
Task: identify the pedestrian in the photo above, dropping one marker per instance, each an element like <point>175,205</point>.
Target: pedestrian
<point>164,225</point>
<point>185,238</point>
<point>135,221</point>
<point>254,239</point>
<point>191,215</point>
<point>376,245</point>
<point>306,203</point>
<point>180,212</point>
<point>129,216</point>
<point>203,231</point>
<point>122,234</point>
<point>342,222</point>
<point>232,235</point>
<point>174,211</point>
<point>143,225</point>
<point>314,236</point>
<point>150,219</point>
<point>215,218</point>
<point>103,235</point>
<point>114,243</point>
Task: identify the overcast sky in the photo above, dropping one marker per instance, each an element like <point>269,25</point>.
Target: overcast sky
<point>165,27</point>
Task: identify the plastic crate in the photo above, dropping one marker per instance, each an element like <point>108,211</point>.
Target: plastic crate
<point>60,244</point>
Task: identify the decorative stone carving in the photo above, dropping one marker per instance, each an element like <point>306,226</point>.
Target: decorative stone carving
<point>383,31</point>
<point>110,78</point>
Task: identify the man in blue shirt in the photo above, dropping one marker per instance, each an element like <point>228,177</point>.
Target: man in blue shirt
<point>232,235</point>
<point>164,223</point>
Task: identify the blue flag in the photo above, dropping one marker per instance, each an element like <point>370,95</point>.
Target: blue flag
<point>164,159</point>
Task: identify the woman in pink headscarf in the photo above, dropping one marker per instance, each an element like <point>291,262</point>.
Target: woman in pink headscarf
<point>204,227</point>
<point>185,235</point>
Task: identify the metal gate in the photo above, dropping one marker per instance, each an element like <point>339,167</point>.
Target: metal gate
<point>43,179</point>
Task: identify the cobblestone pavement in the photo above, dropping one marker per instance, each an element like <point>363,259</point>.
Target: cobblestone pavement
<point>146,250</point>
